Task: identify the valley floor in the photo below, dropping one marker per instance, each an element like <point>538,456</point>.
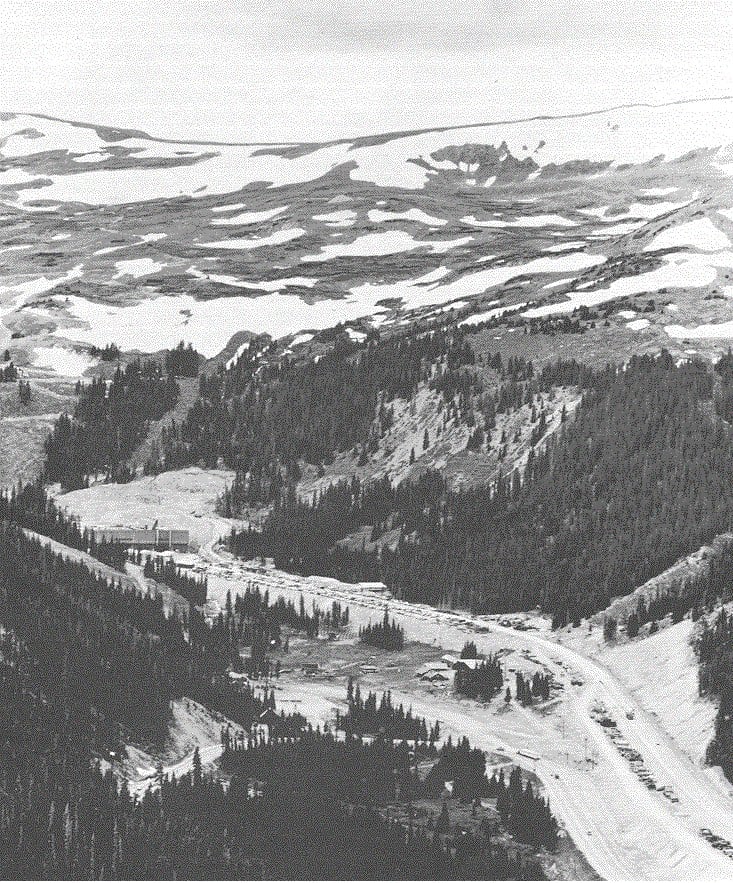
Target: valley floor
<point>624,828</point>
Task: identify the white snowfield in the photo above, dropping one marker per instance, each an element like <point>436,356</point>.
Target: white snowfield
<point>633,134</point>
<point>65,362</point>
<point>376,244</point>
<point>565,246</point>
<point>678,270</point>
<point>162,322</point>
<point>476,283</point>
<point>229,207</point>
<point>276,238</point>
<point>137,267</point>
<point>268,285</point>
<point>713,331</point>
<point>491,314</point>
<point>701,234</point>
<point>626,831</point>
<point>300,338</point>
<point>24,291</point>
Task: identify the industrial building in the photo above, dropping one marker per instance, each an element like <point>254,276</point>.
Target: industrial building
<point>139,538</point>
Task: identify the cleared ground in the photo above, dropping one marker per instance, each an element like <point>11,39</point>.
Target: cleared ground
<point>625,830</point>
<point>184,499</point>
<point>24,427</point>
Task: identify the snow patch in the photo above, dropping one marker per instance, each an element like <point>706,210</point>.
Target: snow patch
<point>162,322</point>
<point>249,217</point>
<point>679,270</point>
<point>477,283</point>
<point>565,246</point>
<point>63,361</point>
<point>700,233</point>
<point>343,218</point>
<point>413,214</point>
<point>276,238</point>
<point>271,285</point>
<point>137,267</point>
<point>378,244</point>
<point>720,330</point>
<point>491,314</point>
<point>301,338</point>
<point>232,207</point>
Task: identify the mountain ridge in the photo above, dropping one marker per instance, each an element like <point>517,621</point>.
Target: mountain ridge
<point>394,133</point>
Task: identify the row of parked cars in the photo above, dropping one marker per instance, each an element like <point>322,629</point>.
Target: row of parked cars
<point>636,761</point>
<point>725,846</point>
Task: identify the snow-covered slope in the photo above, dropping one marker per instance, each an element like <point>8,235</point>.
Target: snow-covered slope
<point>119,167</point>
<point>110,235</point>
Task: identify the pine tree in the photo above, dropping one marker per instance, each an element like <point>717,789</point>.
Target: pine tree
<point>197,776</point>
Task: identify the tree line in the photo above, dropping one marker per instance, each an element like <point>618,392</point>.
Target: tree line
<point>639,477</point>
<point>110,420</point>
<point>29,506</point>
<point>267,414</point>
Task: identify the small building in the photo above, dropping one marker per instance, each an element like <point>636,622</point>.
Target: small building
<point>310,668</point>
<point>430,667</point>
<point>379,588</point>
<point>437,677</point>
<point>468,663</point>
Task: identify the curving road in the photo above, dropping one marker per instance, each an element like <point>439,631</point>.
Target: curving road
<point>625,830</point>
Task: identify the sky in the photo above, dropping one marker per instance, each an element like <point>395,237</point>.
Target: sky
<point>247,70</point>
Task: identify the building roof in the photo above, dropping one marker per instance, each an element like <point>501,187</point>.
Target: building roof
<point>437,676</point>
<point>431,666</point>
<point>468,663</point>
